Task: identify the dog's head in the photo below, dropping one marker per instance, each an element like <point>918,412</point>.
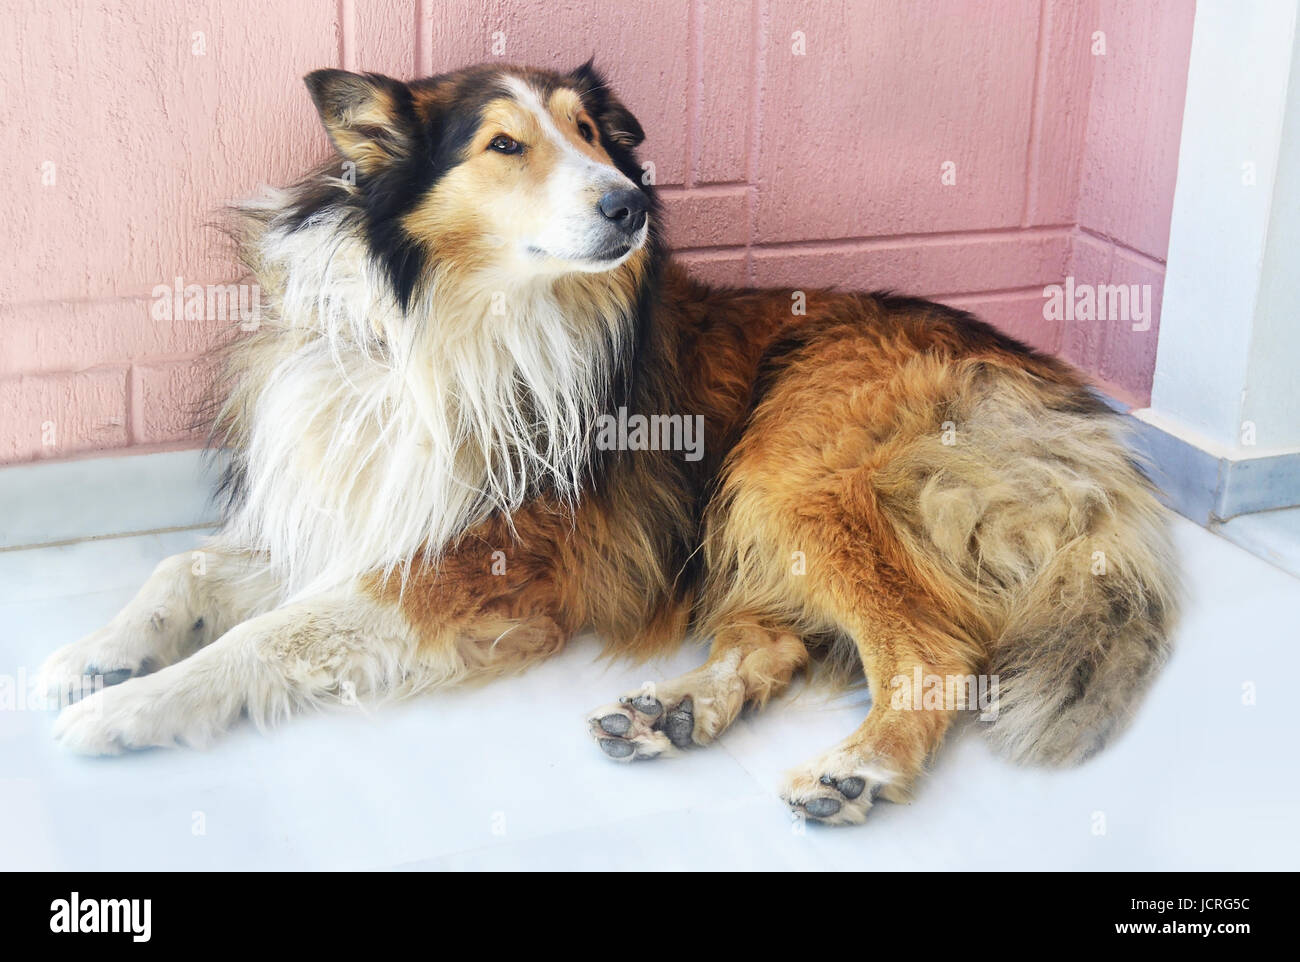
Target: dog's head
<point>521,174</point>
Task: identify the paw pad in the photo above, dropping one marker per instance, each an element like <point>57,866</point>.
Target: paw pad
<point>115,677</point>
<point>680,723</point>
<point>616,747</point>
<point>848,787</point>
<point>822,807</point>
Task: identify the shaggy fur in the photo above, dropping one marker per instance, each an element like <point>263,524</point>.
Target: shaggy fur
<point>415,494</point>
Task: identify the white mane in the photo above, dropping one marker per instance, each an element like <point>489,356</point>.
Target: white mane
<point>376,433</point>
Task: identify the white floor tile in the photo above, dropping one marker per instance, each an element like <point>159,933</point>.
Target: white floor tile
<point>505,776</point>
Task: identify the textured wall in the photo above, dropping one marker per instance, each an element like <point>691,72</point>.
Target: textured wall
<point>1126,187</point>
<point>797,142</point>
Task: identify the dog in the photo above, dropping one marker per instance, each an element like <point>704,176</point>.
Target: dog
<point>483,410</point>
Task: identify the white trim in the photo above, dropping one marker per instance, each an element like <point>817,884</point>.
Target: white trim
<point>1228,340</point>
<point>1208,483</point>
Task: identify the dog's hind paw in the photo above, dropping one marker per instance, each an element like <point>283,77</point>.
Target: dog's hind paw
<point>641,726</point>
<point>665,718</point>
<point>834,790</point>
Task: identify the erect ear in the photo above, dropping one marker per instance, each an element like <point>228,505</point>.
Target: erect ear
<point>616,121</point>
<point>366,115</point>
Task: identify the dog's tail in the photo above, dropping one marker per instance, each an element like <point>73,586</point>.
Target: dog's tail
<point>1040,521</point>
<point>1087,623</point>
<point>1085,641</point>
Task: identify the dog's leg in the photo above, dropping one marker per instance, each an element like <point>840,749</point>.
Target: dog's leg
<point>189,601</point>
<point>330,648</point>
<point>902,729</point>
<point>747,663</point>
<point>324,649</point>
<point>336,649</point>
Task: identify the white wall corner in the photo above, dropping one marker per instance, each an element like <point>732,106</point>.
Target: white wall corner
<point>1229,339</point>
<point>1223,428</point>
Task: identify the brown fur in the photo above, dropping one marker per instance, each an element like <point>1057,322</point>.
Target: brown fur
<point>826,439</point>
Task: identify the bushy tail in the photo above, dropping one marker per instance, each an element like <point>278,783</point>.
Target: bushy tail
<point>1041,526</point>
<point>1087,636</point>
<point>1034,523</point>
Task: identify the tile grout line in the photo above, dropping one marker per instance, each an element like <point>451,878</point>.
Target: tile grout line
<point>36,545</point>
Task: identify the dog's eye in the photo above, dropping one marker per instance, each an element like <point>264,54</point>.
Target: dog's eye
<point>585,129</point>
<point>505,145</point>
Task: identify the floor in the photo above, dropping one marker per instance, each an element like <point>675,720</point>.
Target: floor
<point>505,777</point>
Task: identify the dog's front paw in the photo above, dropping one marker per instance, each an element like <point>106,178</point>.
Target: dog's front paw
<point>125,717</point>
<point>97,661</point>
<point>95,725</point>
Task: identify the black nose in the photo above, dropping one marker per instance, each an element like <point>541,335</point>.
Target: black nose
<point>626,208</point>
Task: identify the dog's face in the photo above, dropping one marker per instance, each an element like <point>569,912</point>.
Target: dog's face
<point>504,172</point>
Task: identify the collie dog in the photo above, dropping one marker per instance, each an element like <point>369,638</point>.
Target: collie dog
<point>484,411</point>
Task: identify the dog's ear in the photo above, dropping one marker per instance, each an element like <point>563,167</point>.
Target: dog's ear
<point>616,121</point>
<point>367,116</point>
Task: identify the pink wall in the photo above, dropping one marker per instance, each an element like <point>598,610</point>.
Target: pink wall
<point>821,168</point>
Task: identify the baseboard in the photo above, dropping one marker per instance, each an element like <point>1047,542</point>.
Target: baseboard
<point>1210,486</point>
<point>53,501</point>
